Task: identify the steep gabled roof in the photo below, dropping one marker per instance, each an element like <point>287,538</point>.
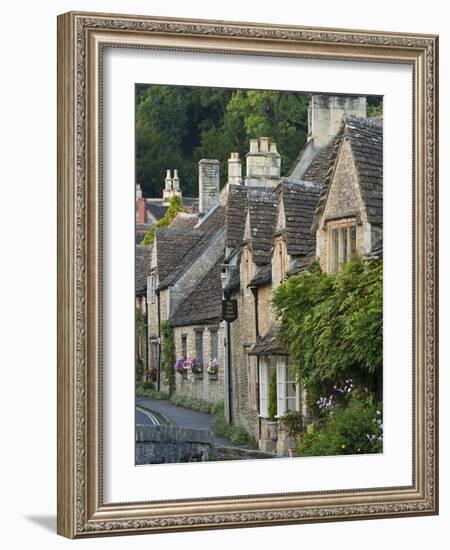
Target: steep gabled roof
<point>236,210</point>
<point>261,212</point>
<point>142,267</point>
<point>200,235</point>
<point>320,165</point>
<point>172,245</point>
<point>365,136</point>
<point>366,139</point>
<point>299,201</point>
<point>203,304</point>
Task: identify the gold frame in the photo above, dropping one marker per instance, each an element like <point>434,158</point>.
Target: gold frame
<point>81,37</point>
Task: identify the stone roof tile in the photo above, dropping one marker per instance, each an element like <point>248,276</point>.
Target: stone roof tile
<point>199,237</point>
<point>365,136</point>
<point>142,268</point>
<point>203,305</point>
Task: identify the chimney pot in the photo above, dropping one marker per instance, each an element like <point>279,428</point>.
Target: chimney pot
<point>263,145</point>
<point>234,169</point>
<point>254,146</point>
<point>142,211</point>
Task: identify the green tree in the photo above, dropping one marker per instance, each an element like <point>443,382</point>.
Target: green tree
<point>176,126</point>
<point>161,126</point>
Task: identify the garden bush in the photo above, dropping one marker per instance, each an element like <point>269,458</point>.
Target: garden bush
<point>355,428</point>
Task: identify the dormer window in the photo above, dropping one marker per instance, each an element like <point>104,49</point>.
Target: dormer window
<point>341,243</point>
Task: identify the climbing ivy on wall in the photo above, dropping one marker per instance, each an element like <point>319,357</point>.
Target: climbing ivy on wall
<point>168,354</point>
<point>175,206</point>
<point>332,324</point>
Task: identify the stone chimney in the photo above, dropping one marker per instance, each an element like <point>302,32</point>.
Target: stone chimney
<point>325,115</point>
<point>234,169</point>
<point>263,164</point>
<point>208,184</point>
<point>171,187</point>
<point>138,191</point>
<point>141,215</point>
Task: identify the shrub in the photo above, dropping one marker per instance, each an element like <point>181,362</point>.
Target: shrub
<point>190,403</point>
<point>237,434</point>
<point>148,385</point>
<point>332,324</point>
<point>139,370</point>
<point>291,424</point>
<point>355,428</point>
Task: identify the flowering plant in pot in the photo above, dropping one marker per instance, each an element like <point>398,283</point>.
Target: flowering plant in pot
<point>196,366</point>
<point>213,366</point>
<point>180,366</point>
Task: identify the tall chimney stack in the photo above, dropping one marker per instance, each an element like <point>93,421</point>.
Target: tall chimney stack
<point>141,216</point>
<point>234,169</point>
<point>325,115</point>
<point>171,187</point>
<point>263,164</point>
<point>208,184</point>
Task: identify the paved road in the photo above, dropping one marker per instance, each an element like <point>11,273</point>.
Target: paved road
<point>179,416</point>
<point>148,418</point>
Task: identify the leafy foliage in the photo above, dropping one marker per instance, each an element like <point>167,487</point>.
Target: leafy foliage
<point>175,206</point>
<point>168,353</point>
<point>332,324</point>
<point>176,126</point>
<point>374,106</point>
<point>237,434</point>
<point>192,403</point>
<point>291,424</point>
<point>355,428</point>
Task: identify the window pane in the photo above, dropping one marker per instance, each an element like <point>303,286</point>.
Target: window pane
<point>214,344</point>
<point>199,345</point>
<point>263,389</point>
<point>352,230</point>
<point>184,345</point>
<point>291,404</point>
<point>344,256</point>
<point>334,250</point>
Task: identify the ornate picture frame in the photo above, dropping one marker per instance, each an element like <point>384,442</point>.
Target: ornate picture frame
<point>82,511</point>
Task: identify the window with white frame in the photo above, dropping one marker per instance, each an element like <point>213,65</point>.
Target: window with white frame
<point>267,369</point>
<point>288,393</point>
<point>151,289</point>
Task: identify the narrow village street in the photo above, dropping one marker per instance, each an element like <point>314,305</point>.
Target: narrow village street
<point>169,414</point>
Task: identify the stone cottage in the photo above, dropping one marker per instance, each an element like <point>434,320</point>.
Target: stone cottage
<point>181,257</point>
<point>329,207</point>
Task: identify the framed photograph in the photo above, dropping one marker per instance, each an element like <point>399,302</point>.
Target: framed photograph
<point>247,276</point>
